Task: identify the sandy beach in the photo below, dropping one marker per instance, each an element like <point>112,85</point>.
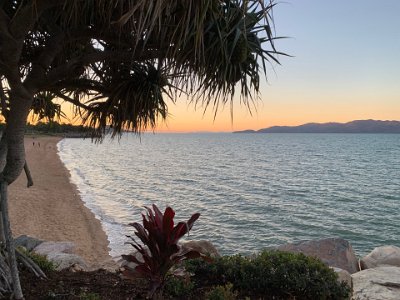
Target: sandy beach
<point>52,209</point>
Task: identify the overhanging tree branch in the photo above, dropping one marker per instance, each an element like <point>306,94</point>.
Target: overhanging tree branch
<point>72,101</point>
<point>26,16</point>
<point>67,70</point>
<point>44,60</point>
<point>8,46</point>
<point>4,21</point>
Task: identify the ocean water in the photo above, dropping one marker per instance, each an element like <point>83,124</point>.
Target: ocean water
<point>252,190</point>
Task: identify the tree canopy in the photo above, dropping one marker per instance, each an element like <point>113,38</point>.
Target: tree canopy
<point>118,61</point>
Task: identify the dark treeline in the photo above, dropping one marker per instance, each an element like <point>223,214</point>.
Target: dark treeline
<point>53,128</point>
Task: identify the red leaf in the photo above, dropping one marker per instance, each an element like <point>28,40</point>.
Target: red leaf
<point>139,248</point>
<point>158,216</point>
<point>192,219</point>
<point>160,237</point>
<point>141,233</point>
<point>182,228</point>
<point>178,231</point>
<point>149,216</point>
<point>168,222</point>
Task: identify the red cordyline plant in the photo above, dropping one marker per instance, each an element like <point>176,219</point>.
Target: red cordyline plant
<point>161,250</point>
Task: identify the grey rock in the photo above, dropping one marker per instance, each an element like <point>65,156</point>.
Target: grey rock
<point>343,276</point>
<point>67,261</point>
<point>47,248</point>
<point>381,256</point>
<point>335,252</point>
<point>382,283</point>
<point>28,242</point>
<point>204,247</point>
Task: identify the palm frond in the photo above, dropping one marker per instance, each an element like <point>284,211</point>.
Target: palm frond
<point>134,104</point>
<point>43,107</point>
<point>125,57</point>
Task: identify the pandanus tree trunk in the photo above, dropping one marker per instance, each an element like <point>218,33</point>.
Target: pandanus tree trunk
<point>12,155</point>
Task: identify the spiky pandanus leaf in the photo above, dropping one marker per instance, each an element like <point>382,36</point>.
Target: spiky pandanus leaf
<point>43,107</point>
<point>134,103</point>
<point>229,57</point>
<point>205,45</point>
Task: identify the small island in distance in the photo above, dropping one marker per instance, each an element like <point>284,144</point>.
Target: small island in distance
<point>358,126</point>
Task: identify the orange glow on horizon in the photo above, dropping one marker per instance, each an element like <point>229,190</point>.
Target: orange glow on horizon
<point>183,117</point>
<point>276,113</point>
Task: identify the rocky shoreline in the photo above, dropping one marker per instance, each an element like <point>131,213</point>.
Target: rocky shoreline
<point>374,276</point>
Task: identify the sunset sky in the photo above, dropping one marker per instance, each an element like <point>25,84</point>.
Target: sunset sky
<point>345,66</point>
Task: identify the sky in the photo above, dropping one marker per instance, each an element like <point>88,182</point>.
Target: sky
<point>345,66</point>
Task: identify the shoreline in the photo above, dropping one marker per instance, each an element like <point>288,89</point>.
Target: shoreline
<point>52,209</point>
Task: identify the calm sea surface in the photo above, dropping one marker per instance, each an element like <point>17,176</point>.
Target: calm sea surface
<point>252,190</point>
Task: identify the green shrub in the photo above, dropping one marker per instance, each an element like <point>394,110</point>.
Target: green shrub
<point>222,292</point>
<point>200,266</point>
<point>275,274</point>
<point>41,260</point>
<point>178,287</point>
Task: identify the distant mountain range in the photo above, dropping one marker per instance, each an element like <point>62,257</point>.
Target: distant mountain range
<point>359,126</point>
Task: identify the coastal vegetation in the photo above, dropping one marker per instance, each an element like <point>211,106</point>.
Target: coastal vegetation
<point>54,127</point>
<point>266,275</point>
<point>41,260</point>
<point>118,63</point>
<point>270,274</point>
<point>162,267</point>
<point>159,250</point>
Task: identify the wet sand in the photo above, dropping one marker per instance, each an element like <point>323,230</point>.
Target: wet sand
<point>52,209</point>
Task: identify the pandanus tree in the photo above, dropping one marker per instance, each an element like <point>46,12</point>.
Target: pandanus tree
<point>118,62</point>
